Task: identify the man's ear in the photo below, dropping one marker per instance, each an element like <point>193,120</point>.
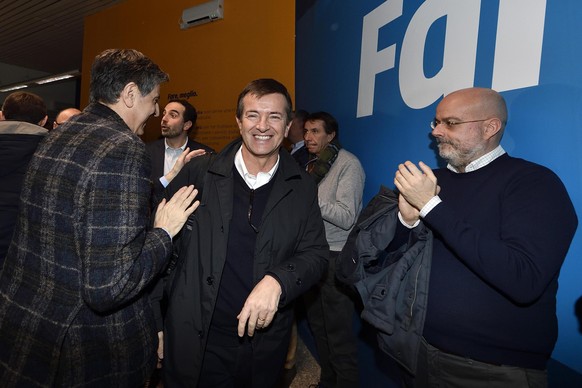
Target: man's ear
<point>331,136</point>
<point>492,128</point>
<point>187,125</point>
<point>239,123</point>
<point>129,94</point>
<point>42,122</point>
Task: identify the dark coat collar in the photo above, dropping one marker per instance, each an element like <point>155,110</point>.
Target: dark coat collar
<point>105,112</point>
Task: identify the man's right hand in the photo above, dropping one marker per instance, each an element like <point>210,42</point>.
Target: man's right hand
<point>172,215</point>
<point>184,158</point>
<point>416,185</point>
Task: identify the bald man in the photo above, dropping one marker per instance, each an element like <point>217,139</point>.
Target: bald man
<point>65,115</point>
<point>501,229</point>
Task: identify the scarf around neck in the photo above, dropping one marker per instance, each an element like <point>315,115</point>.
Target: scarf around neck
<point>318,167</point>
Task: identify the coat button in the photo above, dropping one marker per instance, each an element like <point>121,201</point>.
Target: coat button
<point>290,267</point>
<point>298,281</point>
<point>210,280</point>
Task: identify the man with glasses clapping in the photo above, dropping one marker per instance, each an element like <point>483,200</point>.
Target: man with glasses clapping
<point>502,227</point>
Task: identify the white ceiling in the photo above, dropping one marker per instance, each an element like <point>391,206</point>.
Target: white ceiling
<point>45,35</point>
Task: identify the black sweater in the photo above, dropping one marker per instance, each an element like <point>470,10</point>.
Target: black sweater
<point>237,278</point>
<point>501,235</point>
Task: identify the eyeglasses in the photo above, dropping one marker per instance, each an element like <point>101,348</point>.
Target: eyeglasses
<point>250,212</point>
<point>451,123</point>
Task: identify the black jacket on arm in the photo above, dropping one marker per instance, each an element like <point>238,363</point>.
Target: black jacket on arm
<point>390,265</point>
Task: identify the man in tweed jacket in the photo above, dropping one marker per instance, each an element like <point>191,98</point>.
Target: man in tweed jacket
<point>73,309</point>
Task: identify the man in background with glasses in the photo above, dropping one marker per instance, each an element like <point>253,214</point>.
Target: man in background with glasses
<point>255,244</point>
<point>65,115</point>
<point>502,227</point>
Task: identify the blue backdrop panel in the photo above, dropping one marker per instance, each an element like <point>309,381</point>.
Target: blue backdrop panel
<point>381,67</point>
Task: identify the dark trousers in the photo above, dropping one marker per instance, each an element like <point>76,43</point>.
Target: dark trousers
<point>437,369</point>
<point>227,365</point>
<point>330,308</point>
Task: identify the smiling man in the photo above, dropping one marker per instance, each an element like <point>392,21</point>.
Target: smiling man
<point>73,311</point>
<point>257,242</point>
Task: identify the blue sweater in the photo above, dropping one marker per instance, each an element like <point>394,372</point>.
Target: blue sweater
<point>501,235</point>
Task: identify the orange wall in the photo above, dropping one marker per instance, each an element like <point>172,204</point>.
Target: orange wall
<point>209,64</point>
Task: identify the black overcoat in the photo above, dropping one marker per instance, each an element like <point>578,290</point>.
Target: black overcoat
<point>290,245</point>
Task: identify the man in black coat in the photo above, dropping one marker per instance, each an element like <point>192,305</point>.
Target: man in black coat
<point>255,244</point>
<point>20,133</point>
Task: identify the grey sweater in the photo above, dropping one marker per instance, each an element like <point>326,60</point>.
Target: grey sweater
<point>340,198</point>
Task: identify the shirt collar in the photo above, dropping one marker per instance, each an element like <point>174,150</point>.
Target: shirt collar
<point>297,145</point>
<point>482,161</point>
<point>182,147</point>
<point>253,181</point>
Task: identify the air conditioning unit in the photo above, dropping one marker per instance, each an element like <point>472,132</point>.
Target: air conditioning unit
<point>201,14</point>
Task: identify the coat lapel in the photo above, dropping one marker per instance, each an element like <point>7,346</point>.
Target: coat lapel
<point>288,170</point>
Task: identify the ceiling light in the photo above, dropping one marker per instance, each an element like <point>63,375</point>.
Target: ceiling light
<point>40,81</point>
<point>53,79</point>
<point>11,88</point>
